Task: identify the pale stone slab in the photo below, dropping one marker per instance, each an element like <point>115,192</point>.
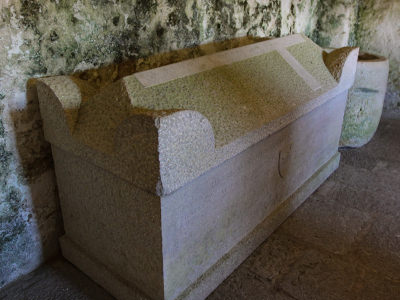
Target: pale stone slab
<point>192,66</point>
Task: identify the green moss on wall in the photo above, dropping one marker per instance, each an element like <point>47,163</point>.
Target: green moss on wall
<point>336,22</point>
<point>378,32</point>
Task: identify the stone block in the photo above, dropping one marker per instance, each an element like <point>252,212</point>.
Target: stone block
<point>365,103</point>
<point>169,178</point>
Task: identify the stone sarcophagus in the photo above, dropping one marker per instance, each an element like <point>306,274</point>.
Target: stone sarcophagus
<point>169,178</point>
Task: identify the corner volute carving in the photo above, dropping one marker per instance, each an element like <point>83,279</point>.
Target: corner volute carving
<point>59,102</point>
<point>342,64</point>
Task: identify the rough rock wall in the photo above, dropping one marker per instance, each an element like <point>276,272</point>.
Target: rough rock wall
<point>50,37</point>
<point>372,25</point>
<point>379,32</point>
<point>336,24</point>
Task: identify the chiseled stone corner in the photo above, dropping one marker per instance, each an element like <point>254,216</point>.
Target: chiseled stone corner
<point>342,65</point>
<point>164,143</point>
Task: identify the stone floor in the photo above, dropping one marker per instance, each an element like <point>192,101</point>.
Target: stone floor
<point>342,243</point>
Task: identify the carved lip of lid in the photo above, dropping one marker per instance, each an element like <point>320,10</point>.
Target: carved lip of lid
<point>363,56</point>
<point>369,57</point>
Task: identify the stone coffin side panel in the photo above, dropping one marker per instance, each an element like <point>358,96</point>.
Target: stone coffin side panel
<point>112,220</point>
<point>207,217</point>
<point>219,271</point>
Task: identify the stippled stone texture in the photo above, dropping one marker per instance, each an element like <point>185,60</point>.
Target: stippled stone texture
<point>41,38</point>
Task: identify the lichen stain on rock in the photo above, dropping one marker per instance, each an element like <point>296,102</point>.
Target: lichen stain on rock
<point>336,21</point>
<point>10,218</point>
<point>365,90</point>
<point>378,32</point>
<point>360,125</point>
<point>299,16</point>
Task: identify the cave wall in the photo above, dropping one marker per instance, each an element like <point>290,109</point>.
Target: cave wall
<point>53,37</point>
<point>379,32</point>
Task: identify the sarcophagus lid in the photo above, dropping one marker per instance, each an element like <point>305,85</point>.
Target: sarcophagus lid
<point>161,128</point>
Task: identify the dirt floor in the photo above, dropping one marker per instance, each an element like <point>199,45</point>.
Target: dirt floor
<point>342,243</point>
